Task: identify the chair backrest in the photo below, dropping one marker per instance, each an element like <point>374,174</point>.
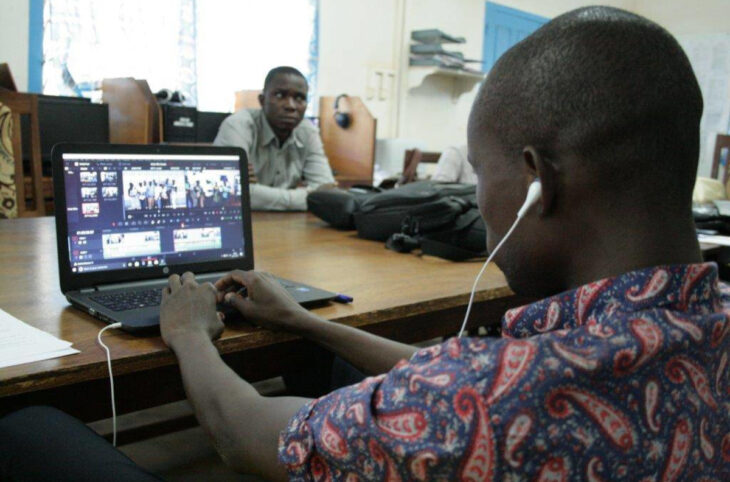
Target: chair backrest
<point>247,99</point>
<point>412,159</point>
<point>135,116</point>
<point>350,151</point>
<point>6,78</point>
<point>28,203</point>
<point>8,191</point>
<point>722,142</point>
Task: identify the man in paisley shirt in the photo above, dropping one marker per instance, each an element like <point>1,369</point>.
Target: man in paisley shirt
<point>620,372</point>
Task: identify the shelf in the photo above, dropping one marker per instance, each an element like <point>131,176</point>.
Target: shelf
<point>463,82</point>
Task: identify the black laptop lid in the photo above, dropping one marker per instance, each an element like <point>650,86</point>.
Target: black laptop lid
<point>128,213</point>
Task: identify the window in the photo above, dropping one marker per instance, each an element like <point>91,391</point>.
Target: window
<point>207,49</point>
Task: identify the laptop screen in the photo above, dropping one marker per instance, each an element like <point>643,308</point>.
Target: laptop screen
<point>132,211</point>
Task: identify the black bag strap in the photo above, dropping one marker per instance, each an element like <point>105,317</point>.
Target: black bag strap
<point>433,247</point>
<point>439,244</point>
<point>467,219</point>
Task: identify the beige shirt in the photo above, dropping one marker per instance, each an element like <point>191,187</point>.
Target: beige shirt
<point>453,166</point>
<point>279,169</point>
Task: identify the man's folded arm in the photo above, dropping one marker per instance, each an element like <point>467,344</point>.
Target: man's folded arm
<point>277,199</point>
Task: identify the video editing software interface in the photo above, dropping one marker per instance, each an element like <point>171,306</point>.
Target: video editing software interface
<point>128,211</point>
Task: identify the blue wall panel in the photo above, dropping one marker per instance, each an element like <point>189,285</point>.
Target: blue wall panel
<point>504,27</point>
<point>35,47</point>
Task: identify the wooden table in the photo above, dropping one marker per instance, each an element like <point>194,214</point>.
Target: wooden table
<point>401,296</point>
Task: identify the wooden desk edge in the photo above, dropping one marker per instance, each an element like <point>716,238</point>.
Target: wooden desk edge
<point>228,344</point>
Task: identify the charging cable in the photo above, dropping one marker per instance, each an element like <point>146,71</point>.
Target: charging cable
<point>533,195</point>
<point>111,379</point>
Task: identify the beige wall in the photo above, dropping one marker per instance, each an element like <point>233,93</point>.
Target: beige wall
<point>356,40</point>
<point>14,19</point>
<point>430,112</point>
<point>553,8</point>
<point>688,17</point>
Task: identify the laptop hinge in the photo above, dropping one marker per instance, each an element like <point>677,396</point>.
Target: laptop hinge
<point>131,284</point>
<point>87,290</point>
<point>154,282</point>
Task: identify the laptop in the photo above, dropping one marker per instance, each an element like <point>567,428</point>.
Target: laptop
<point>127,217</point>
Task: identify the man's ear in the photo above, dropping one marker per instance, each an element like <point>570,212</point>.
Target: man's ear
<point>261,99</point>
<point>542,167</point>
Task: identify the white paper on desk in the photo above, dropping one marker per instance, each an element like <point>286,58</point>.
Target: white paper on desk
<point>38,357</point>
<point>21,343</point>
<point>714,239</point>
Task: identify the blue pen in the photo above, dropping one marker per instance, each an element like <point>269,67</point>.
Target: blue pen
<point>340,298</point>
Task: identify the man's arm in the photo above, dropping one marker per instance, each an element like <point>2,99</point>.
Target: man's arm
<point>369,353</point>
<point>268,304</point>
<point>243,425</point>
<point>236,131</point>
<point>448,168</point>
<point>316,172</point>
<point>277,199</point>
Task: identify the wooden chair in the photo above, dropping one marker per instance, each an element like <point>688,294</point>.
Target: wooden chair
<point>351,151</point>
<point>722,142</point>
<point>29,201</point>
<point>411,161</point>
<point>247,99</point>
<point>6,78</point>
<point>135,116</point>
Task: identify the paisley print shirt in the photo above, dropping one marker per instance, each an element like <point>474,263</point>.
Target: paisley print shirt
<point>623,378</point>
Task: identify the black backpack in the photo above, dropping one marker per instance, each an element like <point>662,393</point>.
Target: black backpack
<point>435,205</point>
<point>461,239</point>
<point>439,218</point>
<point>337,206</point>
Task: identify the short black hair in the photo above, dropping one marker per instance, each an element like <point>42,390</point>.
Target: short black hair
<point>282,70</point>
<point>611,87</point>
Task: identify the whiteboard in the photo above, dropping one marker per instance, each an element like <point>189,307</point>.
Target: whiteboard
<point>709,55</point>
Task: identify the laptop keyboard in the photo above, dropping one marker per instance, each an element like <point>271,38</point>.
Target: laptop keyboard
<point>129,300</point>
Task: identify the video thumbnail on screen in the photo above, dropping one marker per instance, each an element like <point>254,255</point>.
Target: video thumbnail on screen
<point>149,190</point>
<point>126,245</point>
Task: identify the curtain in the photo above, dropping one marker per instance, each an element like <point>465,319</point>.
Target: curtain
<point>206,49</point>
<point>239,41</point>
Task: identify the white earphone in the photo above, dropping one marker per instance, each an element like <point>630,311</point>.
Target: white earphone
<point>534,192</point>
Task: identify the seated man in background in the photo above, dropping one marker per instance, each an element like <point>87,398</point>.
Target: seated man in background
<point>619,373</point>
<point>285,155</point>
<point>453,166</point>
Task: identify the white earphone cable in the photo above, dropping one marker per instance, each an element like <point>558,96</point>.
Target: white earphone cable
<point>534,192</point>
<point>474,287</point>
<point>111,379</point>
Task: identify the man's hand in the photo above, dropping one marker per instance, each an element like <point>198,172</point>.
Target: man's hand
<point>326,187</point>
<point>269,305</point>
<point>251,174</point>
<point>188,310</point>
<point>266,302</point>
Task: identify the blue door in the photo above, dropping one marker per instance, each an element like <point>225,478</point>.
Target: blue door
<point>504,27</point>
